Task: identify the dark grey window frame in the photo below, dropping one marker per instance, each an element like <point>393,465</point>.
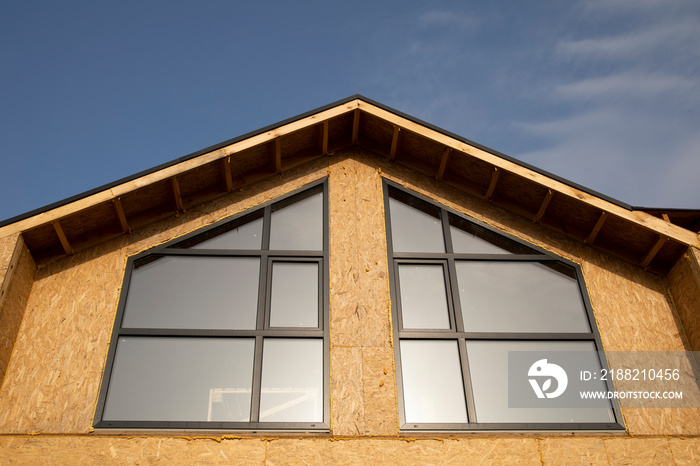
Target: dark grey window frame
<point>262,331</point>
<point>457,332</point>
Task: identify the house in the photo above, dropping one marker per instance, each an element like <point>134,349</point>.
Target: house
<point>343,286</point>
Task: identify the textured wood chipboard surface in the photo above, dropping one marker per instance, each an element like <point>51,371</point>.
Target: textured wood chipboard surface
<point>684,283</point>
<point>347,397</point>
<point>13,302</point>
<point>379,390</point>
<point>346,311</point>
<point>7,249</point>
<point>573,451</point>
<point>53,378</point>
<point>631,306</point>
<point>137,450</point>
<point>656,451</point>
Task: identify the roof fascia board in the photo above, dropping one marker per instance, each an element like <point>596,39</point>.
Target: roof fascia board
<point>114,190</point>
<point>506,163</point>
<point>227,148</point>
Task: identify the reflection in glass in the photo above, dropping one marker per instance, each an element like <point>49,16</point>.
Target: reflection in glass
<point>433,389</point>
<point>423,296</point>
<point>519,297</point>
<point>414,230</point>
<point>180,379</point>
<point>245,236</point>
<point>193,292</point>
<point>298,226</point>
<point>488,366</point>
<point>294,301</point>
<point>292,380</point>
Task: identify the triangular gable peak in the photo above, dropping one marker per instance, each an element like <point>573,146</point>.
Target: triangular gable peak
<point>88,219</point>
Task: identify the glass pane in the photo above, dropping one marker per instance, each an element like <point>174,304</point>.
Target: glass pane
<point>423,296</point>
<point>298,226</point>
<point>193,292</point>
<point>414,229</point>
<point>433,389</point>
<point>519,297</point>
<point>488,365</point>
<point>468,238</point>
<point>294,301</point>
<point>292,381</point>
<point>235,236</point>
<point>180,379</point>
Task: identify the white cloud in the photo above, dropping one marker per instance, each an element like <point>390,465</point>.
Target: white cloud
<point>677,36</point>
<point>628,84</point>
<point>448,18</point>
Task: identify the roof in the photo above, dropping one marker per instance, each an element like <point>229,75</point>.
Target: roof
<point>650,238</point>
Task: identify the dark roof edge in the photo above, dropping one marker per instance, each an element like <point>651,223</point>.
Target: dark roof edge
<point>273,126</point>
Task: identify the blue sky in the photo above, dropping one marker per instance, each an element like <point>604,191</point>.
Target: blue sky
<point>605,93</point>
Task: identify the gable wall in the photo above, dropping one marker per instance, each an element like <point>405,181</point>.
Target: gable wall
<point>54,376</point>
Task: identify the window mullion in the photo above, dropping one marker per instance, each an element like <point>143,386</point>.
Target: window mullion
<point>466,378</point>
<point>257,380</point>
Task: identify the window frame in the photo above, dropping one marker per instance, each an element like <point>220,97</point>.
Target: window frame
<point>259,334</point>
<point>449,258</point>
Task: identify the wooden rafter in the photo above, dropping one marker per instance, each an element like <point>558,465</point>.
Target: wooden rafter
<point>278,156</point>
<point>122,216</point>
<point>226,170</point>
<point>324,138</point>
<point>657,247</point>
<point>596,229</point>
<point>177,195</point>
<point>62,237</point>
<point>443,163</point>
<point>543,207</point>
<point>394,142</point>
<point>492,186</point>
<point>666,217</point>
<point>355,126</point>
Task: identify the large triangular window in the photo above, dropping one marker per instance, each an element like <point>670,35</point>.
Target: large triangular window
<point>227,327</point>
<point>469,303</point>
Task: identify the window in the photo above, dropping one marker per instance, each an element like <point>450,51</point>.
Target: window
<point>227,327</point>
<point>464,299</point>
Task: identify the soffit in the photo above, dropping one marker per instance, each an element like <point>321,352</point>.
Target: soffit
<point>649,239</point>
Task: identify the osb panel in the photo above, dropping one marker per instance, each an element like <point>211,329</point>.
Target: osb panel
<point>140,450</point>
<point>639,451</point>
<point>345,309</point>
<point>53,378</point>
<point>372,255</point>
<point>375,134</point>
<point>685,450</point>
<point>379,391</point>
<point>467,169</point>
<point>573,451</point>
<point>89,220</point>
<point>201,179</point>
<point>7,249</point>
<point>347,404</point>
<point>580,217</point>
<point>630,305</point>
<point>338,133</point>
<point>684,282</point>
<point>666,421</point>
<point>401,452</point>
<point>226,206</point>
<point>13,304</point>
<point>516,190</point>
<point>423,149</point>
